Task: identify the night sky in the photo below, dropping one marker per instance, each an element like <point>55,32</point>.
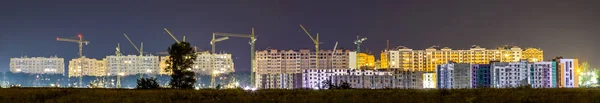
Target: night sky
<point>568,28</point>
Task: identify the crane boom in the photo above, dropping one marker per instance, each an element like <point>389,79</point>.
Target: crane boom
<point>169,32</point>
<point>136,48</point>
<point>72,40</point>
<point>79,41</point>
<point>308,34</point>
<point>233,35</point>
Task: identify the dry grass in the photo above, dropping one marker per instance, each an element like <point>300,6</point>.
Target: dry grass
<point>18,95</point>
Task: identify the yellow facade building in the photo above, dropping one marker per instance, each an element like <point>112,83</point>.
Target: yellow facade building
<point>404,58</point>
<point>366,61</point>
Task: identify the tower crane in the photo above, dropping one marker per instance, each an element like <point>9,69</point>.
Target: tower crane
<point>213,41</point>
<point>333,53</point>
<point>316,42</point>
<point>358,41</point>
<point>118,54</point>
<point>252,38</point>
<point>80,41</point>
<point>140,50</point>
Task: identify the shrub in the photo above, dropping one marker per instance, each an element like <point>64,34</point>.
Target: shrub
<point>147,83</point>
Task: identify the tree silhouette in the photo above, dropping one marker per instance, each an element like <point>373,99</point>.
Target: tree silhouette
<point>181,60</point>
<point>147,83</point>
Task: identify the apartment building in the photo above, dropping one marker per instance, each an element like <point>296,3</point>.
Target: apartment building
<point>87,67</point>
<point>568,73</point>
<point>454,75</point>
<point>132,65</point>
<point>318,78</point>
<point>366,79</point>
<point>509,74</point>
<point>275,62</point>
<point>411,79</point>
<point>429,80</point>
<point>480,76</point>
<point>37,65</point>
<point>279,81</point>
<point>205,63</point>
<point>543,75</point>
<point>426,60</point>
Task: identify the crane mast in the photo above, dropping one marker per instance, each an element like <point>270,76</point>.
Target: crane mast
<point>316,42</point>
<point>79,41</point>
<point>358,42</point>
<point>250,36</point>
<point>140,50</point>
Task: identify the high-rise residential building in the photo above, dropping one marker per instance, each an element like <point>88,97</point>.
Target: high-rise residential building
<point>384,61</point>
<point>279,81</point>
<point>365,61</point>
<point>454,75</point>
<point>132,65</point>
<point>429,80</point>
<point>205,63</point>
<point>294,61</point>
<point>533,55</point>
<point>366,79</point>
<point>568,73</point>
<point>509,74</point>
<point>481,76</point>
<point>426,60</point>
<point>318,78</point>
<point>273,62</point>
<point>543,75</point>
<point>37,65</point>
<point>87,67</point>
<point>411,79</point>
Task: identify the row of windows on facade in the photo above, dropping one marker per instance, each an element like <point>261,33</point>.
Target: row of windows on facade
<point>299,54</point>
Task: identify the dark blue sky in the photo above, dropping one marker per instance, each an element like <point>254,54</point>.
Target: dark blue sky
<point>561,28</point>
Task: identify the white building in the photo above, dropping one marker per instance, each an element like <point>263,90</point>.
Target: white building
<point>205,63</point>
<point>568,73</point>
<point>429,80</point>
<point>543,75</point>
<point>37,65</point>
<point>273,62</point>
<point>454,75</point>
<point>222,63</point>
<point>366,79</point>
<point>132,65</point>
<point>279,81</point>
<point>408,79</point>
<point>87,67</point>
<point>317,78</point>
<point>509,75</point>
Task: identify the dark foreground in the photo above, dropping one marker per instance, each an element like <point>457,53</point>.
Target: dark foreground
<point>18,95</point>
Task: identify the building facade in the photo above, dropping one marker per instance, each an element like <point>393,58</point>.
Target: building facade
<point>543,75</point>
<point>429,80</point>
<point>568,73</point>
<point>481,76</point>
<point>366,79</point>
<point>276,62</point>
<point>279,81</point>
<point>426,60</point>
<point>410,79</point>
<point>132,65</point>
<point>205,63</point>
<point>37,65</point>
<point>509,74</point>
<point>318,78</point>
<point>87,67</point>
<point>454,75</point>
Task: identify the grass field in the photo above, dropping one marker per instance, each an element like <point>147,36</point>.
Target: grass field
<point>18,95</point>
